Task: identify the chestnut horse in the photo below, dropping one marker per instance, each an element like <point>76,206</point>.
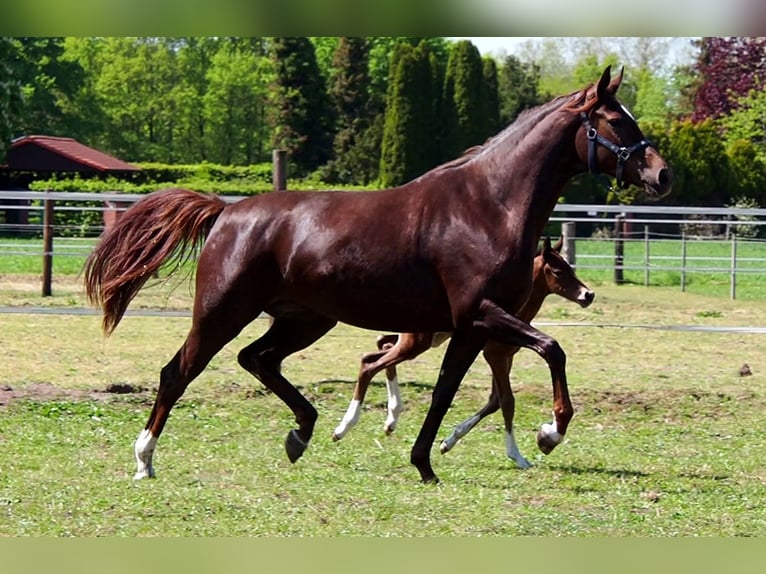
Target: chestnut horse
<point>449,251</point>
<point>551,275</point>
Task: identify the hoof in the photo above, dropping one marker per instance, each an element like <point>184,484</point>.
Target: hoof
<point>445,447</point>
<point>294,446</point>
<point>523,463</point>
<point>388,429</point>
<point>336,437</point>
<point>433,479</point>
<point>547,442</point>
<point>143,474</point>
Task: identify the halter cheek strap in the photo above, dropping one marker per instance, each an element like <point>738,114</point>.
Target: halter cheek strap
<point>623,153</point>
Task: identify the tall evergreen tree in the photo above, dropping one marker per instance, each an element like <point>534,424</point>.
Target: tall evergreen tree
<point>466,119</point>
<point>10,93</point>
<point>303,121</point>
<point>409,145</point>
<point>489,71</point>
<point>517,88</point>
<point>349,91</point>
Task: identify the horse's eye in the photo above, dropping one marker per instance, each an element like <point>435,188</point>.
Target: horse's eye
<point>615,122</point>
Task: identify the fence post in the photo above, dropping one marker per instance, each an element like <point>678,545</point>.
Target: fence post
<point>279,169</point>
<point>733,290</point>
<point>48,218</point>
<point>619,248</point>
<point>568,248</point>
<point>683,261</point>
<point>646,256</point>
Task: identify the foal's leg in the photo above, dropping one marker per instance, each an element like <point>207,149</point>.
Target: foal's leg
<point>512,331</point>
<point>500,360</point>
<point>461,353</point>
<point>407,347</point>
<point>263,359</point>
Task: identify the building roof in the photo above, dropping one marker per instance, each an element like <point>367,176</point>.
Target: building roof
<point>50,153</point>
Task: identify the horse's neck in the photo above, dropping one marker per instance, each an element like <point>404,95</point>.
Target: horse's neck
<point>534,302</point>
<point>529,178</point>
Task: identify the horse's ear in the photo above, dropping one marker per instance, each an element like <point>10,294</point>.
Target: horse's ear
<point>604,83</point>
<point>547,243</point>
<point>558,245</point>
<point>615,82</point>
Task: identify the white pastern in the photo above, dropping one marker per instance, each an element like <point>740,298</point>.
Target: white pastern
<point>395,405</point>
<point>349,419</point>
<point>551,431</point>
<point>144,449</point>
<point>513,452</point>
<point>460,431</point>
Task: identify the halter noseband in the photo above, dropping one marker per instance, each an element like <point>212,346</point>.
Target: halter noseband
<point>623,153</point>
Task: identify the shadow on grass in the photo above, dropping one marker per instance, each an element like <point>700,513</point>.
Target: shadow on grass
<point>618,473</point>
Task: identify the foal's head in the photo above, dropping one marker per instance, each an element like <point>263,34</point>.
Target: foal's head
<point>556,276</point>
<point>611,142</point>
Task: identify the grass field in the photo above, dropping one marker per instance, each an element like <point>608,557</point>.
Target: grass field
<point>666,439</point>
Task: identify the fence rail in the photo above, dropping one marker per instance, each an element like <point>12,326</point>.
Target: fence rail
<point>631,251</point>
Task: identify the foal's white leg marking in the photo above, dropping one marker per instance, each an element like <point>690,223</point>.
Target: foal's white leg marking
<point>144,448</point>
<point>460,431</point>
<point>395,405</point>
<point>349,419</point>
<point>513,451</point>
<point>551,431</point>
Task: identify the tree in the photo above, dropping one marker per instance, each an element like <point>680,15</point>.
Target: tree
<point>10,93</point>
<point>728,68</point>
<point>349,91</point>
<point>701,170</point>
<point>48,84</point>
<point>517,86</point>
<point>489,71</point>
<point>303,121</point>
<point>234,105</point>
<point>465,106</point>
<point>408,148</point>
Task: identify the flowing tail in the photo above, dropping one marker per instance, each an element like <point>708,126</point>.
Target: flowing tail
<point>171,224</point>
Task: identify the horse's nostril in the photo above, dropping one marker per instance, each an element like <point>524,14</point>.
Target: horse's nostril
<point>589,296</point>
<point>665,177</point>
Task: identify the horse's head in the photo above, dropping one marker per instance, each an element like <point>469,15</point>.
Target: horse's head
<point>611,142</point>
<point>560,278</point>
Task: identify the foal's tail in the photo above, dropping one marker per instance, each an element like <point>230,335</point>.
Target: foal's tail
<point>171,224</point>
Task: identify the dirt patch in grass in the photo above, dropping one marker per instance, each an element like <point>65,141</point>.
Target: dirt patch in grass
<point>50,392</point>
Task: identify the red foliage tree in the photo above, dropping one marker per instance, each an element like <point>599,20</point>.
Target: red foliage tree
<point>728,68</point>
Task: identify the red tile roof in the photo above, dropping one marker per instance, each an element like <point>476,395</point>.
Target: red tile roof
<point>75,151</point>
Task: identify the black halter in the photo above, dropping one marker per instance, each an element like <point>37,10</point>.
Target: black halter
<point>622,153</point>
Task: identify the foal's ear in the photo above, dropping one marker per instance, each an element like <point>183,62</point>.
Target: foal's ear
<point>557,246</point>
<point>547,243</point>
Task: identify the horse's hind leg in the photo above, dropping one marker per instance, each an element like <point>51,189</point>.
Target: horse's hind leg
<point>187,363</point>
<point>263,359</point>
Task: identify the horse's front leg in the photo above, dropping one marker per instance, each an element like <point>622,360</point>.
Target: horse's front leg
<point>512,331</point>
<point>461,353</point>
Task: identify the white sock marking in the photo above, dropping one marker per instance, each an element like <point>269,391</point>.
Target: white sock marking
<point>513,451</point>
<point>144,449</point>
<point>349,419</point>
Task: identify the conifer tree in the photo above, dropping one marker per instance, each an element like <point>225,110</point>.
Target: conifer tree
<point>466,119</point>
<point>303,119</point>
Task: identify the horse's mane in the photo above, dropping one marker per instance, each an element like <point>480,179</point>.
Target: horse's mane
<point>520,127</point>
